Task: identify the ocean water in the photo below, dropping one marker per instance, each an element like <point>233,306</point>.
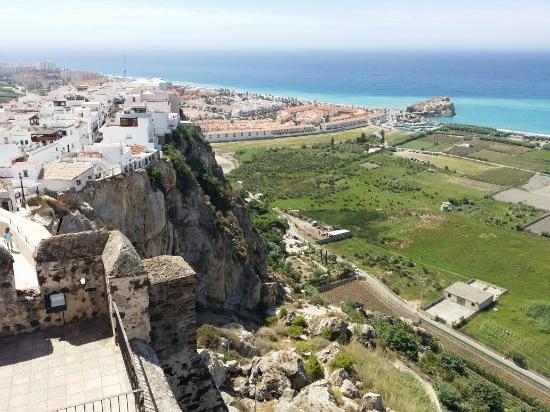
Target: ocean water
<point>506,90</point>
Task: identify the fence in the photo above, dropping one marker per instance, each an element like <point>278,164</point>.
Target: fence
<point>132,165</point>
<point>123,402</point>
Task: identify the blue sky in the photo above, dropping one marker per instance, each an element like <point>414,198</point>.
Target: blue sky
<point>282,24</point>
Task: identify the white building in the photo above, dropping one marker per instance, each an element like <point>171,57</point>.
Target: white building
<point>61,176</point>
<point>131,130</point>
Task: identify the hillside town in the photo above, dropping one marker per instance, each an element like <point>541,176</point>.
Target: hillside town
<point>81,132</point>
<point>67,129</point>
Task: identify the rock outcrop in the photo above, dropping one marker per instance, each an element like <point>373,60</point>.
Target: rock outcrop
<point>271,374</point>
<point>436,107</point>
<point>182,207</point>
<point>316,397</point>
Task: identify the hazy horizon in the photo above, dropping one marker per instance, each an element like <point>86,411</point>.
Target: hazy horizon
<point>350,25</point>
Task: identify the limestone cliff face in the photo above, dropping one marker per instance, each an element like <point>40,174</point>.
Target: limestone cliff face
<point>185,209</point>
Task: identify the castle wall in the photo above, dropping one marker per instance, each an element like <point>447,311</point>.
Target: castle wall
<point>174,334</point>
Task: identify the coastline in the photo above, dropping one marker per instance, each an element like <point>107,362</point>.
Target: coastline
<point>474,111</point>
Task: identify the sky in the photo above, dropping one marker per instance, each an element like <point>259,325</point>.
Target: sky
<point>282,24</point>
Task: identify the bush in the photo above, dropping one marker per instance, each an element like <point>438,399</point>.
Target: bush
<point>486,396</point>
<point>518,358</point>
<point>208,337</point>
<point>448,396</point>
<point>282,313</point>
<point>326,333</point>
<point>452,362</point>
<point>294,331</point>
<point>342,360</point>
<point>304,347</point>
<point>271,319</point>
<point>299,321</point>
<point>314,370</point>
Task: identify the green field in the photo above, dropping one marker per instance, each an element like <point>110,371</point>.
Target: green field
<point>297,141</point>
<point>400,235</point>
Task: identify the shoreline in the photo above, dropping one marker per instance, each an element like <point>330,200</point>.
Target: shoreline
<point>308,99</point>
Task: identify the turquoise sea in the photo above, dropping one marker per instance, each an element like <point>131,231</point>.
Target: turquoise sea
<point>506,90</point>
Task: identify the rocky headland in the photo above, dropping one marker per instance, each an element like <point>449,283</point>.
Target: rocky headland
<point>436,107</point>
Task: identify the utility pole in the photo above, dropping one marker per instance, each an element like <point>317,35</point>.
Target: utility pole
<point>23,201</point>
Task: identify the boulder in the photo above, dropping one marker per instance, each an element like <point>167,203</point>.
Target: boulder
<point>349,389</point>
<point>338,328</point>
<point>350,405</point>
<point>327,354</point>
<point>232,366</point>
<point>215,366</point>
<point>316,397</point>
<point>242,340</point>
<point>74,223</point>
<point>271,374</point>
<point>372,402</point>
<point>286,406</point>
<point>364,334</point>
<point>288,394</point>
<point>247,344</point>
<point>337,377</point>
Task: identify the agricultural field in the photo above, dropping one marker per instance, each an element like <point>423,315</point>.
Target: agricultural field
<point>536,192</point>
<point>466,144</point>
<point>298,141</point>
<point>400,235</point>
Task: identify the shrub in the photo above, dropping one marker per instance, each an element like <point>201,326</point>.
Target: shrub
<point>450,361</point>
<point>314,370</point>
<point>342,360</point>
<point>299,321</point>
<point>448,396</point>
<point>517,357</point>
<point>208,337</point>
<point>271,319</point>
<point>486,396</point>
<point>304,347</point>
<point>282,313</point>
<point>294,331</point>
<point>326,333</point>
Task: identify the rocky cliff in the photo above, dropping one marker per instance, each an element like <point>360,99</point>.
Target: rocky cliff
<point>183,206</point>
<point>438,106</point>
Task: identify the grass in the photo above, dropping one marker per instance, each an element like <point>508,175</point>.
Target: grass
<point>298,141</point>
<point>461,166</point>
<point>400,235</point>
<point>503,176</point>
<point>380,376</point>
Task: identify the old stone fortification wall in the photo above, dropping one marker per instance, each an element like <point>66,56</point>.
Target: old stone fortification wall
<point>110,267</point>
<point>61,262</point>
<point>173,333</point>
<point>155,298</point>
<point>127,284</point>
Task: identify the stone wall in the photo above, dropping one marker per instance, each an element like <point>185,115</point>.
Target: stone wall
<point>173,333</point>
<point>127,285</point>
<point>62,261</point>
<point>7,278</point>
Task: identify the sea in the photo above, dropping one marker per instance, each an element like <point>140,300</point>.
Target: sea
<point>502,89</point>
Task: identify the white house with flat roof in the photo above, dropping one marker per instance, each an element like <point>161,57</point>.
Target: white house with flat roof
<point>469,296</point>
<point>61,176</point>
<point>130,130</point>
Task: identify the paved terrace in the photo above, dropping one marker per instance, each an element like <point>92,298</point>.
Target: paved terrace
<point>60,366</point>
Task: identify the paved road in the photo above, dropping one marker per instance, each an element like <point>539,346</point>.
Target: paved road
<point>539,385</point>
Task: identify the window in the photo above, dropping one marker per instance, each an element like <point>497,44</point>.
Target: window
<point>89,177</point>
<point>448,295</point>
<point>78,182</point>
<point>25,173</point>
<point>473,304</point>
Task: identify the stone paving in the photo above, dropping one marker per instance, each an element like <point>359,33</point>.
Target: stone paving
<point>60,366</point>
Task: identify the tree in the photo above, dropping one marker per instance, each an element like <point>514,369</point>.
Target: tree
<point>486,396</point>
<point>332,142</point>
